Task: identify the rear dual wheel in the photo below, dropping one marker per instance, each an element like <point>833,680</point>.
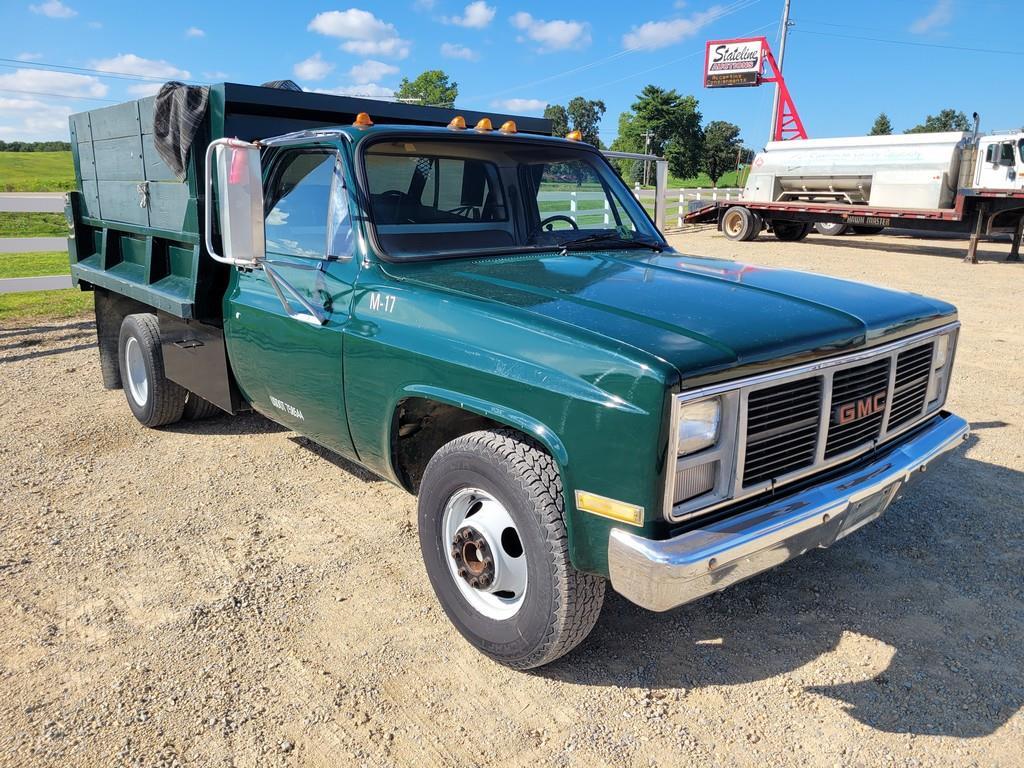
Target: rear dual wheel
<point>790,231</point>
<point>492,533</point>
<point>741,224</point>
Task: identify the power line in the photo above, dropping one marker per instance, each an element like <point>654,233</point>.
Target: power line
<point>913,43</point>
<point>46,67</point>
<point>59,95</point>
<point>735,7</point>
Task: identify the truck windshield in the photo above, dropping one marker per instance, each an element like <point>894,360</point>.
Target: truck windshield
<point>467,196</point>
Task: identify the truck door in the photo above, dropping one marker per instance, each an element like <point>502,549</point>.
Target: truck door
<point>998,164</point>
<point>288,364</point>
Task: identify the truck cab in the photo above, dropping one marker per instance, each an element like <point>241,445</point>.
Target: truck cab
<point>573,402</point>
<point>1000,161</point>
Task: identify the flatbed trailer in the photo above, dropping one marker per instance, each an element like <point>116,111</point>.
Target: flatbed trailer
<point>978,212</point>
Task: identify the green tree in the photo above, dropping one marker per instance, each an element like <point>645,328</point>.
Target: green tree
<point>432,88</point>
<point>882,126</point>
<point>946,120</point>
<point>583,115</point>
<point>559,117</point>
<point>722,151</point>
<point>662,123</point>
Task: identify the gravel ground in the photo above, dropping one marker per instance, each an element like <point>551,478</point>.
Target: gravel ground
<point>216,593</point>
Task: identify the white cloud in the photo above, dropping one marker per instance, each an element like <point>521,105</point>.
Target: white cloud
<point>62,83</point>
<point>364,34</point>
<point>556,35</point>
<point>367,90</point>
<point>55,9</point>
<point>29,56</point>
<point>215,77</point>
<point>659,34</point>
<point>476,15</point>
<point>371,71</point>
<point>130,64</point>
<point>195,32</point>
<point>939,16</point>
<point>144,89</point>
<point>520,105</point>
<point>313,68</point>
<point>454,51</point>
<point>33,119</point>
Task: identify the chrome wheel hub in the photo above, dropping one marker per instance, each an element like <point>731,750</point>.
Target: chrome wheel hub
<point>485,553</point>
<point>138,384</point>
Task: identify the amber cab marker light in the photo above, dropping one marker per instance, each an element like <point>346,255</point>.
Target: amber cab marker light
<point>484,124</point>
<point>509,126</point>
<point>574,136</point>
<point>362,120</point>
<point>458,123</point>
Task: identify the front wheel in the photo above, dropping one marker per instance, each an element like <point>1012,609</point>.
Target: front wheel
<point>492,533</point>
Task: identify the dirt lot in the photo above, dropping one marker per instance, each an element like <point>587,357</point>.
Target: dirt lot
<point>225,593</point>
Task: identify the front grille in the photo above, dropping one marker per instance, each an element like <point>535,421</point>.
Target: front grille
<point>858,406</point>
<point>782,429</point>
<point>912,370</point>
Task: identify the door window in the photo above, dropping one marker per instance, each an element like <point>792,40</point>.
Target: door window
<point>299,204</point>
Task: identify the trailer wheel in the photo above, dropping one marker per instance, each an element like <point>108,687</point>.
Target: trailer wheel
<point>154,399</point>
<point>495,547</point>
<point>790,231</point>
<point>741,224</point>
<point>197,409</point>
<point>830,228</point>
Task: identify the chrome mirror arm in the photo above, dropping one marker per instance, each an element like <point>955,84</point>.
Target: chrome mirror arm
<point>313,315</point>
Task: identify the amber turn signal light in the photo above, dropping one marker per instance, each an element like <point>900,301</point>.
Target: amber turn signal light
<point>458,123</point>
<point>509,126</point>
<point>362,120</point>
<point>484,124</point>
<point>574,136</point>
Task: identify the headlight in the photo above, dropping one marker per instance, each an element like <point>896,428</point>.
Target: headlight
<point>698,425</point>
<point>941,350</point>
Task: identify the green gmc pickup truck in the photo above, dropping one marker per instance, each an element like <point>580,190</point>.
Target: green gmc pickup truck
<point>574,402</point>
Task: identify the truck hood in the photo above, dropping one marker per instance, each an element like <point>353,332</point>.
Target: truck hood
<point>704,317</point>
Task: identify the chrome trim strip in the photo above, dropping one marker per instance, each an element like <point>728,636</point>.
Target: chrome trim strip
<point>659,575</point>
<point>742,387</point>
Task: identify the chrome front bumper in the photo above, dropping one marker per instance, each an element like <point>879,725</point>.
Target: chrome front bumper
<point>659,575</point>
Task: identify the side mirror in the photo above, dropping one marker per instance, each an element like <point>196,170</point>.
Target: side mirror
<point>240,202</point>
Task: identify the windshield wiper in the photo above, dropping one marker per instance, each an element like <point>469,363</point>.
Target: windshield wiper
<point>609,238</point>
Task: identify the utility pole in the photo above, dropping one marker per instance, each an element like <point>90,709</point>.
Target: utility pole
<point>786,24</point>
<point>648,135</point>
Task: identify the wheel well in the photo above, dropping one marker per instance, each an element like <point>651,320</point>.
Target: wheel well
<point>420,426</point>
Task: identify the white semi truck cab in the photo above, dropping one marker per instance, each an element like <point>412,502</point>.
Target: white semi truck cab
<point>1000,161</point>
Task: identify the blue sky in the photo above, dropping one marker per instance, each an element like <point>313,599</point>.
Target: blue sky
<point>845,61</point>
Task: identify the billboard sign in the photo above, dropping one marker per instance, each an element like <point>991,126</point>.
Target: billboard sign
<point>732,63</point>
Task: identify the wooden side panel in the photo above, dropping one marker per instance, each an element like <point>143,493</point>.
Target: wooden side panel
<point>119,159</point>
<point>119,201</point>
<point>168,203</point>
<point>90,199</point>
<point>156,168</point>
<point>86,160</point>
<point>115,122</point>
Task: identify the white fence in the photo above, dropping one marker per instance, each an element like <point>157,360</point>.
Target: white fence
<point>32,202</point>
<point>578,204</point>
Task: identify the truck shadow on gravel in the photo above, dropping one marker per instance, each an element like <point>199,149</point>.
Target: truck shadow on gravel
<point>913,624</point>
<point>988,252</point>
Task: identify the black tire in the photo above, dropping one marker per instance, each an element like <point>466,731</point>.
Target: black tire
<point>740,224</point>
<point>160,401</point>
<point>560,604</point>
<point>866,230</point>
<point>830,228</point>
<point>790,231</point>
<point>197,409</point>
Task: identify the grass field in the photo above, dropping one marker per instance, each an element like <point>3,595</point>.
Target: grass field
<point>39,305</point>
<point>36,172</point>
<point>33,225</point>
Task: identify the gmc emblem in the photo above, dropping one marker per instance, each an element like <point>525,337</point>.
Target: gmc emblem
<point>859,409</point>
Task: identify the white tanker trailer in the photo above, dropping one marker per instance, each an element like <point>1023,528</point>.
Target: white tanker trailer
<point>947,181</point>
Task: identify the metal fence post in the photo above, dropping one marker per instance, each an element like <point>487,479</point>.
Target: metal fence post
<point>661,183</point>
